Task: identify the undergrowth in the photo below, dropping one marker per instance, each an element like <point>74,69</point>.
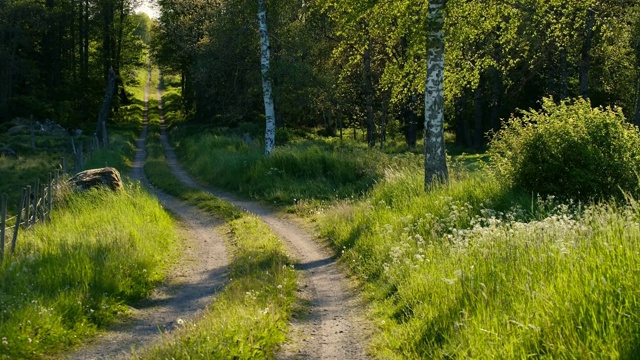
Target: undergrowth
<point>303,171</point>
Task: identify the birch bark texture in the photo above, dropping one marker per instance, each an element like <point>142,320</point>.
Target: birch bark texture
<point>435,159</point>
<point>267,88</point>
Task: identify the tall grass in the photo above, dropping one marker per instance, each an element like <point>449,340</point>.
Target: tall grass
<point>472,270</point>
<point>249,317</point>
<point>72,276</point>
<point>309,170</point>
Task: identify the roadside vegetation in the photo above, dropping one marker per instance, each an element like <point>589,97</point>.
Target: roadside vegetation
<point>70,277</point>
<point>479,267</point>
<point>102,250</point>
<point>249,318</point>
<point>303,170</point>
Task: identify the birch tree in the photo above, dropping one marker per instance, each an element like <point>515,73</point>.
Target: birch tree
<point>435,160</point>
<point>267,90</point>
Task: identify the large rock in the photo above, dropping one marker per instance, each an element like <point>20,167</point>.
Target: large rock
<point>93,178</point>
<point>7,152</point>
<point>18,129</point>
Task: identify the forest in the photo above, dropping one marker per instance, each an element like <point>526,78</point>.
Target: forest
<point>286,192</point>
<point>362,64</point>
<point>338,65</point>
<point>55,57</point>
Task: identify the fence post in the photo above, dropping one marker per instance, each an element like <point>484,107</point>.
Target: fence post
<point>3,224</point>
<point>27,207</point>
<point>36,188</point>
<point>50,198</point>
<point>43,202</point>
<point>23,200</point>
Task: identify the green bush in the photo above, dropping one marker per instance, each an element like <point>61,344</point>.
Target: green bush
<point>570,150</point>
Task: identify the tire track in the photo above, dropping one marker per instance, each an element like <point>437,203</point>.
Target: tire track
<point>335,325</point>
<point>190,287</point>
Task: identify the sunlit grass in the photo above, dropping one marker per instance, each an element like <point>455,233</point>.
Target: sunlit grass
<point>73,276</point>
<point>473,270</point>
<point>468,270</point>
<point>308,171</point>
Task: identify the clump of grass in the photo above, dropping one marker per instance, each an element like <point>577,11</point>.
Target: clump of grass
<point>309,170</point>
<point>160,175</point>
<point>72,276</point>
<point>17,173</point>
<point>171,100</point>
<point>473,270</point>
<point>120,151</point>
<point>249,317</point>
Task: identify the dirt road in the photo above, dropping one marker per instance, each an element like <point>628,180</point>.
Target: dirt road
<point>335,326</point>
<point>191,284</point>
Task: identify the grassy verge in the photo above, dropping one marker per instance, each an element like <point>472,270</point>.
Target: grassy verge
<point>249,317</point>
<point>309,171</point>
<point>72,276</point>
<point>474,271</point>
<point>471,270</point>
<point>171,101</point>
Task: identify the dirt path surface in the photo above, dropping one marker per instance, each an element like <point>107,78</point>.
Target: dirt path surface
<point>335,325</point>
<point>190,287</point>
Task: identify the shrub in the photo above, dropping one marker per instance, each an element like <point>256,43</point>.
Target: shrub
<point>570,150</point>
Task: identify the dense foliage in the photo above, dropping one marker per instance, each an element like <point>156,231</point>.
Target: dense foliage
<point>55,56</point>
<point>336,64</point>
<point>569,150</point>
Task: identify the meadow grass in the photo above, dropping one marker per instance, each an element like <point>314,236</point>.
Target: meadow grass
<point>171,100</point>
<point>474,270</point>
<point>307,170</point>
<point>469,270</point>
<point>249,317</point>
<point>72,276</point>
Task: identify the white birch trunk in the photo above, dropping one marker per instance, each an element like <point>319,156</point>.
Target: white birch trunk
<point>267,90</point>
<point>435,159</point>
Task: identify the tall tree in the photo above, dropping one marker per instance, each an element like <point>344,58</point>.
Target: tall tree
<point>435,158</point>
<point>265,52</point>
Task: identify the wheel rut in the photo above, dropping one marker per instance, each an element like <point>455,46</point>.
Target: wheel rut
<point>191,284</point>
<point>334,326</point>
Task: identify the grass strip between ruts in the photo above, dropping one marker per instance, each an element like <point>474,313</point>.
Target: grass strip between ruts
<point>249,317</point>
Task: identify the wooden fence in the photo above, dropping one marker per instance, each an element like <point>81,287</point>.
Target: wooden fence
<point>34,208</point>
<point>36,201</point>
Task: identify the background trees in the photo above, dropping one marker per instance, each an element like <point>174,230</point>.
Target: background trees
<point>361,64</point>
<point>335,65</point>
<point>55,56</point>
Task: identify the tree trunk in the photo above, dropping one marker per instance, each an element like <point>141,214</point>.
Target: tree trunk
<point>101,128</point>
<point>463,131</point>
<point>435,158</point>
<point>585,62</point>
<point>563,90</point>
<point>637,117</point>
<point>383,124</point>
<point>478,117</point>
<point>368,89</point>
<point>496,99</point>
<point>270,132</point>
